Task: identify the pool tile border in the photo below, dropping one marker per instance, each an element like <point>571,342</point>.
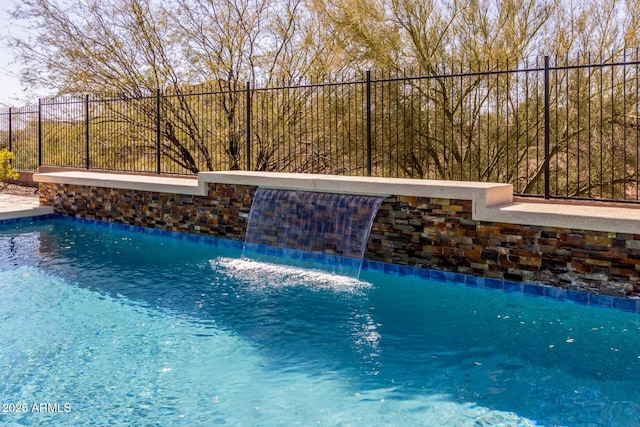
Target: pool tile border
<point>29,219</point>
<point>630,305</point>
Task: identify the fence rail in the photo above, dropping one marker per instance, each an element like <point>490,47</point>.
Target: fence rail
<point>548,126</point>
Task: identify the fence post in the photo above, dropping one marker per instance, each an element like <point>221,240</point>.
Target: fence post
<point>546,128</point>
<point>10,131</point>
<point>86,129</point>
<point>39,132</point>
<point>368,124</point>
<point>248,101</point>
<point>158,131</point>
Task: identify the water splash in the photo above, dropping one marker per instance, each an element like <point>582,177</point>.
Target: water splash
<point>263,274</point>
<point>332,224</point>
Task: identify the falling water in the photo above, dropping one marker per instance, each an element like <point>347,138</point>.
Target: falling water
<point>301,224</point>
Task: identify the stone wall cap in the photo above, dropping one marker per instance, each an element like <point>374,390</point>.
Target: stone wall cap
<point>160,184</point>
<point>614,219</point>
<point>461,190</point>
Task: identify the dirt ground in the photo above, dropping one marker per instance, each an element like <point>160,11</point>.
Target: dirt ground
<point>19,190</point>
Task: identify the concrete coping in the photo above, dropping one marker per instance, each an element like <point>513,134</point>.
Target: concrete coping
<point>160,184</point>
<point>14,207</point>
<point>491,202</point>
<point>488,194</point>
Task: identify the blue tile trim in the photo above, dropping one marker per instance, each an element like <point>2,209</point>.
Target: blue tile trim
<point>455,277</point>
<point>555,293</point>
<point>606,301</point>
<point>577,296</point>
<point>600,300</point>
<point>438,275</point>
<point>528,289</point>
<point>490,283</point>
<point>405,270</point>
<point>391,268</point>
<point>474,281</point>
<point>30,219</point>
<point>626,304</point>
<point>514,287</point>
<point>423,273</point>
<point>533,290</point>
<point>224,243</point>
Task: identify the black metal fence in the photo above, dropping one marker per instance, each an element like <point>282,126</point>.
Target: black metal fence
<point>550,126</point>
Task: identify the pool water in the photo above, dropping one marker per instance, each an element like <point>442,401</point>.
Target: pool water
<point>108,327</point>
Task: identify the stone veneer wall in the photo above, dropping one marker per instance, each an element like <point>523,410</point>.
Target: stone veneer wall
<point>417,231</point>
<point>440,234</point>
<point>223,213</point>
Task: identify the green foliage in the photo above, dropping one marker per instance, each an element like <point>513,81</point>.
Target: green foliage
<point>458,123</point>
<point>6,168</point>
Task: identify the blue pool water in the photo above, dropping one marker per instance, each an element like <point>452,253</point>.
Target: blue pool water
<point>107,327</point>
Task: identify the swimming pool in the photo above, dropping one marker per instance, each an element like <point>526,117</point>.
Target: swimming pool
<point>102,326</point>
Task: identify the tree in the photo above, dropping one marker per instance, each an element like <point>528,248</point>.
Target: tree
<point>459,124</point>
<point>187,70</point>
<point>436,39</point>
<point>132,49</point>
<point>6,168</point>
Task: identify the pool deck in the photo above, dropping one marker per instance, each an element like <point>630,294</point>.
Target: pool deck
<point>13,207</point>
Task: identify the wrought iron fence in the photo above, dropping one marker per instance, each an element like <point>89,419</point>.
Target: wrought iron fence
<point>19,130</point>
<point>550,126</point>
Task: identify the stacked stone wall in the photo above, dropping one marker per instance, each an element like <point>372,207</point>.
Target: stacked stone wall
<point>433,233</point>
<point>224,212</point>
<point>441,234</point>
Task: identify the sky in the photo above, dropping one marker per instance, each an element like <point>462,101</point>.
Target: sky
<point>12,93</point>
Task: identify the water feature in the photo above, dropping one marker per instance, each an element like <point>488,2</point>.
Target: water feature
<point>296,221</point>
